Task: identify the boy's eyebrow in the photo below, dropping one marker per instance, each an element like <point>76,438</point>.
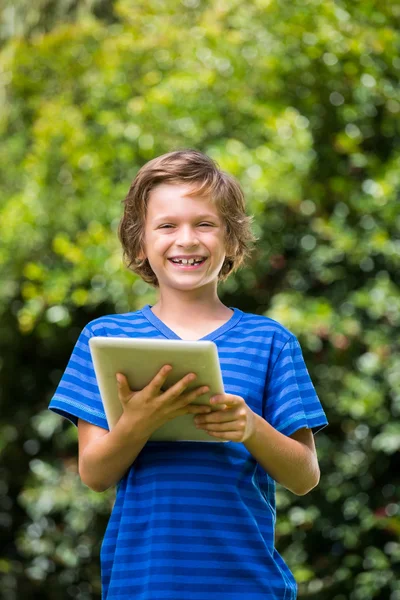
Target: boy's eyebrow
<point>172,218</point>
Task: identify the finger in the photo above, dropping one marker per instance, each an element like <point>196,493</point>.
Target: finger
<point>194,409</point>
<point>158,381</point>
<point>220,416</point>
<point>198,409</point>
<point>216,426</point>
<point>189,397</point>
<point>218,407</point>
<point>224,399</point>
<point>177,389</point>
<point>183,402</point>
<point>123,387</point>
<point>122,381</point>
<point>120,378</point>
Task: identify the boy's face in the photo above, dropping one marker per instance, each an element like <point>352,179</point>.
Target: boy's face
<point>182,226</point>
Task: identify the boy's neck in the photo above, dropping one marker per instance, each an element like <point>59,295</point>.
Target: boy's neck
<point>187,311</point>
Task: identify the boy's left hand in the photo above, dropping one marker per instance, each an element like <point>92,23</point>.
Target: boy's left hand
<point>234,421</point>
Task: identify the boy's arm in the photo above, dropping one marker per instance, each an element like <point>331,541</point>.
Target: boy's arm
<point>290,460</point>
<point>104,457</point>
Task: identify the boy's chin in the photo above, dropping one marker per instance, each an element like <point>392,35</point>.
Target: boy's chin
<point>184,283</point>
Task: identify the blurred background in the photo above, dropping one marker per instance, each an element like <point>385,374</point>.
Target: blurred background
<point>300,101</point>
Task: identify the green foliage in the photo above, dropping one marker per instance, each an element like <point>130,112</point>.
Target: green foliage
<point>300,101</point>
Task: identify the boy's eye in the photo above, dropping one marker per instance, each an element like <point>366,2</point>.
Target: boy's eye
<point>200,225</point>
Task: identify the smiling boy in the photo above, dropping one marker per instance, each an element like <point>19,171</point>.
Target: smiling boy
<point>193,520</point>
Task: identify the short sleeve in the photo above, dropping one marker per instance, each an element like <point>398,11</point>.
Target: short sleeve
<point>291,401</point>
<point>77,395</point>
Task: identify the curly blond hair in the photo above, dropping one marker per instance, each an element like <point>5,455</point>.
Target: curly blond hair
<point>202,173</point>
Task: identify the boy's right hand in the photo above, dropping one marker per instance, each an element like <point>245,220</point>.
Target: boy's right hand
<point>146,410</point>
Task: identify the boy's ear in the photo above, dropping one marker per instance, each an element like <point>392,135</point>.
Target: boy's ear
<point>141,255</point>
<point>231,249</point>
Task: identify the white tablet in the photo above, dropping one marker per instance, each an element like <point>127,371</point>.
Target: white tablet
<point>139,359</point>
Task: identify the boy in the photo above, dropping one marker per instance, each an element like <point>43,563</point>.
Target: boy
<point>193,520</point>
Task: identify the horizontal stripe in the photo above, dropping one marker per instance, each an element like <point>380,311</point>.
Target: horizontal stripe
<point>163,576</point>
<point>197,533</point>
<point>187,554</point>
<point>210,585</point>
<point>66,402</point>
<point>211,592</point>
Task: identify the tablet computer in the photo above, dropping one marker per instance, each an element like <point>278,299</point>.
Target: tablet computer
<point>139,359</point>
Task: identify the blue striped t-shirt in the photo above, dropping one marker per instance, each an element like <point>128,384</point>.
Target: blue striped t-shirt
<point>195,520</point>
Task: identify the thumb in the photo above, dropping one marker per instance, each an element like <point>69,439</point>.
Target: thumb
<point>120,379</point>
<point>123,387</point>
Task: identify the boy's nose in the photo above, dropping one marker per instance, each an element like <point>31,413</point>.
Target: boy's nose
<point>187,237</point>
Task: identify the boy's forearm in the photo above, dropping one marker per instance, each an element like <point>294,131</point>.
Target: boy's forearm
<point>288,461</point>
<point>107,458</point>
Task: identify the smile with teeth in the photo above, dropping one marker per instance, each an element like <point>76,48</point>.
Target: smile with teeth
<point>190,261</point>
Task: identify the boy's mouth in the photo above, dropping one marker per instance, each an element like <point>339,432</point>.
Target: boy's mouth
<point>185,265</point>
